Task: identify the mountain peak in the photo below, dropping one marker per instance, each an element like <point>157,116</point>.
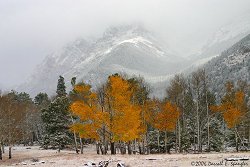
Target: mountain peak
<point>127,49</point>
<point>133,29</point>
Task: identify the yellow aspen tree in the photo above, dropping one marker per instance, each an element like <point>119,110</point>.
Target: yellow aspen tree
<point>233,108</point>
<point>167,119</point>
<point>85,107</point>
<point>140,93</point>
<point>124,117</point>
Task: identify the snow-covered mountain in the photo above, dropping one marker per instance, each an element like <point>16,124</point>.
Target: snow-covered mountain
<point>226,36</point>
<point>221,40</point>
<point>125,49</point>
<point>232,65</point>
<point>42,80</point>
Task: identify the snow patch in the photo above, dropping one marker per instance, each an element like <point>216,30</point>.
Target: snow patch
<point>232,60</point>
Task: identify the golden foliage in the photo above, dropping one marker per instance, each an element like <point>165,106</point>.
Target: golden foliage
<point>167,118</point>
<point>124,117</point>
<point>86,109</point>
<point>125,112</point>
<point>233,106</point>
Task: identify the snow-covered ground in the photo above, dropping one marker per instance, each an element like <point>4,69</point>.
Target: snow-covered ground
<point>34,156</point>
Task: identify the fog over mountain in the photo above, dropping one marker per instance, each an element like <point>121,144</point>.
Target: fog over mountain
<point>134,51</point>
<point>130,49</point>
<point>226,36</point>
<point>72,37</point>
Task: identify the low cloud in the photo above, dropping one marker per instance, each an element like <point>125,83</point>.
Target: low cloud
<point>30,30</point>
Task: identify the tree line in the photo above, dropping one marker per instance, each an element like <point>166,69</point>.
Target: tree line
<point>121,116</point>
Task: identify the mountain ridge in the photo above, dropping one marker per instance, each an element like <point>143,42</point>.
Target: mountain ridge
<point>126,49</point>
<point>232,65</point>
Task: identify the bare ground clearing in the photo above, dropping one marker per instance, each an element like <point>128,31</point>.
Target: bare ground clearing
<point>46,158</point>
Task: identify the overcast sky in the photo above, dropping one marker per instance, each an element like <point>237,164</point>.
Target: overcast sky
<point>31,29</point>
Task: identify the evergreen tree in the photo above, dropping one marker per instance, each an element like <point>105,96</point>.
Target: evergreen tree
<point>42,100</point>
<point>56,119</point>
<point>20,97</point>
<point>61,88</point>
<point>56,122</point>
<point>188,136</point>
<point>216,133</point>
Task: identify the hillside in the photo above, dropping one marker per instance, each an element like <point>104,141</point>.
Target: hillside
<point>126,49</point>
<point>232,65</point>
<point>226,36</point>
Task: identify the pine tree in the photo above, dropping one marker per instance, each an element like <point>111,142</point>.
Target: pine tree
<point>56,119</point>
<point>42,100</point>
<point>216,133</point>
<point>61,88</point>
<point>56,122</point>
<point>188,135</point>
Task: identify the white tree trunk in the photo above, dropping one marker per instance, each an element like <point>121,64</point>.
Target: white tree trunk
<point>208,125</point>
<point>198,126</point>
<point>81,144</point>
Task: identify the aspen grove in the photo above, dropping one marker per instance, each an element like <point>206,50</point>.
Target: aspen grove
<point>121,116</point>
